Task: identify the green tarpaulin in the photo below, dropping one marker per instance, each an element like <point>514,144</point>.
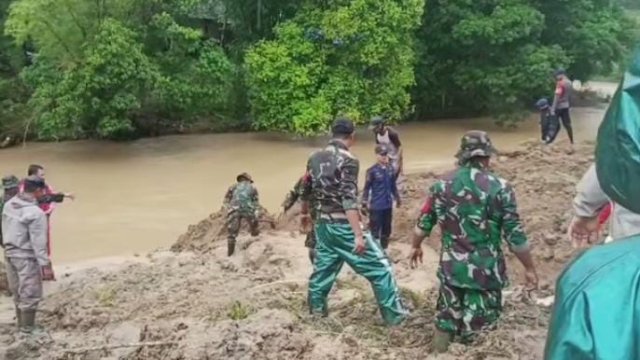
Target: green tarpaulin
<point>618,149</point>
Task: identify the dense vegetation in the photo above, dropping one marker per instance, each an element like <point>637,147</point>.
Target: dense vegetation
<point>119,69</point>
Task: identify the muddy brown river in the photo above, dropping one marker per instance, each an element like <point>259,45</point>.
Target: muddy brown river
<point>138,196</point>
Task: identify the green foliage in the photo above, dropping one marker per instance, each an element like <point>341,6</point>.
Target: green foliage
<point>119,69</point>
<point>595,34</point>
<point>354,58</point>
<point>101,72</point>
<point>482,56</point>
<point>239,311</point>
<point>497,57</point>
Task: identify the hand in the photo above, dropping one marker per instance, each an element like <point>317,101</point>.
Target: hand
<point>305,223</point>
<point>583,231</point>
<point>47,273</point>
<point>531,278</point>
<point>360,245</point>
<point>70,196</point>
<point>416,257</point>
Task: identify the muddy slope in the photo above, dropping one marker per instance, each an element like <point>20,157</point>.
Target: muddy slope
<point>195,303</point>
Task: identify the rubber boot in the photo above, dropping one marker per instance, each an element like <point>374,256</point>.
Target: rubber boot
<point>441,341</point>
<point>231,247</point>
<point>27,321</point>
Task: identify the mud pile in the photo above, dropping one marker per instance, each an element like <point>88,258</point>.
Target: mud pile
<point>203,236</point>
<point>200,304</point>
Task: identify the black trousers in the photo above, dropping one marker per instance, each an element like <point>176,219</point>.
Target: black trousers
<point>565,117</point>
<point>380,225</point>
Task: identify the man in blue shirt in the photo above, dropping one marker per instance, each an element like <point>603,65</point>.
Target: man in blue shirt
<point>379,192</point>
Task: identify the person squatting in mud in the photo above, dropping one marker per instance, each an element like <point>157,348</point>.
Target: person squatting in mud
<point>475,210</point>
<point>333,186</point>
<point>24,231</point>
<point>241,203</point>
<point>292,197</point>
<point>380,191</point>
<point>549,123</point>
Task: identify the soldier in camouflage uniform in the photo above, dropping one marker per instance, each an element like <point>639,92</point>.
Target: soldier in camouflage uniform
<point>333,186</point>
<point>476,210</point>
<point>241,202</point>
<point>292,197</point>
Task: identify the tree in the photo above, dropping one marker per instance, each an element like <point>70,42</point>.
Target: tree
<point>482,56</point>
<point>349,57</point>
<point>595,34</point>
<point>118,69</point>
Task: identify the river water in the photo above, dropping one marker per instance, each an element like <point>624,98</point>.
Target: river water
<point>138,196</point>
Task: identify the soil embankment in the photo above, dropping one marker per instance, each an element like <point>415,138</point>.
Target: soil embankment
<point>195,303</point>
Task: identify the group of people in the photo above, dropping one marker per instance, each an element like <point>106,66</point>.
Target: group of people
<point>381,191</point>
<point>552,114</point>
<point>26,208</point>
<point>475,209</point>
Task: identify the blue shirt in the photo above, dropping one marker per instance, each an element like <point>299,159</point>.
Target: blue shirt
<point>380,187</point>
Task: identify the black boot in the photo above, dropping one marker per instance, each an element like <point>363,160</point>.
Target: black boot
<point>231,247</point>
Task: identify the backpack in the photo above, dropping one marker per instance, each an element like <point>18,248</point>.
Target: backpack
<point>618,143</point>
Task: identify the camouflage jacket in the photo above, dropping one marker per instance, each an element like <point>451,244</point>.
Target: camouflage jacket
<point>296,193</point>
<point>243,198</point>
<point>333,185</point>
<point>475,210</point>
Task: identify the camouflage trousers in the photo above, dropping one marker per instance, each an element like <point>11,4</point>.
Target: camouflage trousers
<point>25,282</point>
<point>465,312</point>
<point>234,222</point>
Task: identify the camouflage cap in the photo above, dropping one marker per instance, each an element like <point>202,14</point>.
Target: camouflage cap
<point>244,176</point>
<point>10,182</point>
<point>475,143</point>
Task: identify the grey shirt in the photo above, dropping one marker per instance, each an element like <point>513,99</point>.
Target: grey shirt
<point>590,200</point>
<point>24,229</point>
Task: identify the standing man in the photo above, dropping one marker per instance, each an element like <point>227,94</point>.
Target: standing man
<point>333,185</point>
<point>386,135</point>
<point>561,100</point>
<point>380,191</point>
<point>10,186</point>
<point>24,230</point>
<point>292,197</point>
<point>476,210</point>
<point>241,202</point>
<point>48,200</point>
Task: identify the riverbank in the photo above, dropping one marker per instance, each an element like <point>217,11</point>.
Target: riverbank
<point>195,303</point>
